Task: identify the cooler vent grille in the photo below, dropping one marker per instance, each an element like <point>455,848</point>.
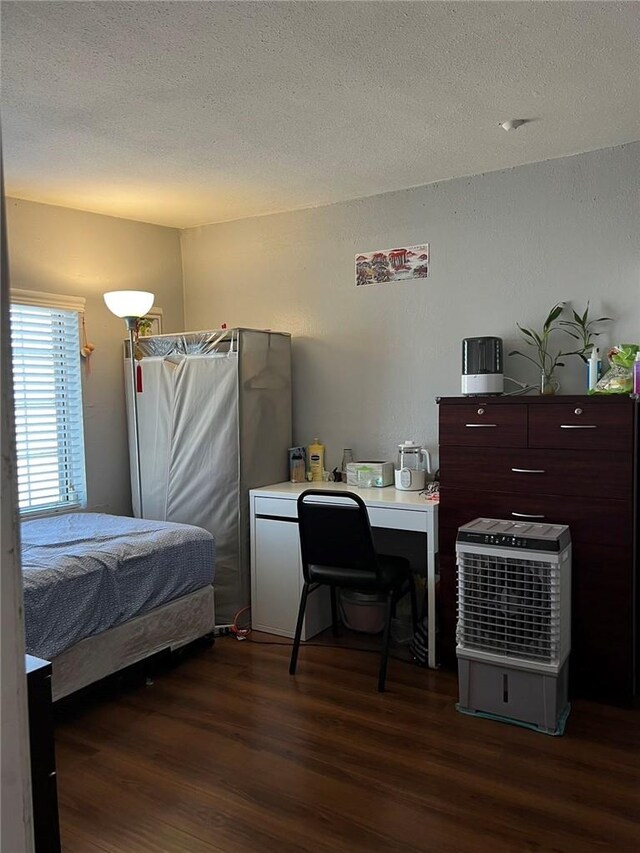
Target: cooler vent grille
<point>509,606</point>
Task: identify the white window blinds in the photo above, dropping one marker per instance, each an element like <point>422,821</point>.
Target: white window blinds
<point>48,408</point>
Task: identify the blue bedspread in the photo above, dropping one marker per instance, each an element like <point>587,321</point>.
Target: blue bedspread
<point>86,572</point>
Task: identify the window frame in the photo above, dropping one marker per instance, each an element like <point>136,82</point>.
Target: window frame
<point>69,437</point>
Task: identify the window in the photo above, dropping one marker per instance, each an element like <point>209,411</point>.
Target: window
<point>48,405</point>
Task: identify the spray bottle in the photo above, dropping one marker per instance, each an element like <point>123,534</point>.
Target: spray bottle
<point>594,369</point>
<point>636,374</point>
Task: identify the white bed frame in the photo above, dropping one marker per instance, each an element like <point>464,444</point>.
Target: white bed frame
<point>168,627</point>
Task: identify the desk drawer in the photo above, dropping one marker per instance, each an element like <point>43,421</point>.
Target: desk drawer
<point>552,472</point>
<point>393,519</point>
<point>483,425</point>
<point>586,426</point>
<point>278,507</point>
<point>398,519</point>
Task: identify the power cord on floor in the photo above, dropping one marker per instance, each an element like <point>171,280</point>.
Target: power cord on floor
<point>307,645</point>
<point>234,629</point>
<point>242,633</point>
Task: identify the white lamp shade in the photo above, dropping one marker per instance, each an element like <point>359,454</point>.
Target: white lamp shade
<point>129,303</point>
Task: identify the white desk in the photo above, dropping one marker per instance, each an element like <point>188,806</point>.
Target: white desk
<point>276,567</point>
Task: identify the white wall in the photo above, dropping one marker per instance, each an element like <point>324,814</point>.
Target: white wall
<point>369,362</point>
<point>59,250</point>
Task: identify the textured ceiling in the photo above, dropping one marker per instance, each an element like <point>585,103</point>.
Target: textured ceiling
<point>184,113</point>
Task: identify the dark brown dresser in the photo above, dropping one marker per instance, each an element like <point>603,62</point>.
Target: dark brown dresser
<point>568,460</point>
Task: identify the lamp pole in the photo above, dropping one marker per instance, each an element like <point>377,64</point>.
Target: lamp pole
<point>131,306</point>
<point>132,325</point>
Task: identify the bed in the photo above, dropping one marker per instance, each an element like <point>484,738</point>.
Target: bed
<point>102,592</point>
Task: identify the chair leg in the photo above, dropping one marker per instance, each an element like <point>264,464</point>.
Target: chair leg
<point>382,676</point>
<point>296,640</point>
<point>334,611</point>
<point>414,602</point>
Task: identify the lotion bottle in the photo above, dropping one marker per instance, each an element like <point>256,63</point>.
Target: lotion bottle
<point>316,460</point>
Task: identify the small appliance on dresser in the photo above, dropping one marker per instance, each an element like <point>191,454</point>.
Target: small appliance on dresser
<point>482,366</point>
<point>561,460</point>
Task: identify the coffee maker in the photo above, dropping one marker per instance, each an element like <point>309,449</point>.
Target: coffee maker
<point>482,366</point>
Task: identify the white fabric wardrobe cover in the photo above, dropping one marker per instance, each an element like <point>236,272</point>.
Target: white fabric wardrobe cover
<point>188,423</point>
<point>215,421</point>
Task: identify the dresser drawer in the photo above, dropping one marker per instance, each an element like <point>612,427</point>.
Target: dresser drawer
<point>602,598</point>
<point>586,426</point>
<point>553,472</point>
<point>483,425</point>
<point>602,521</point>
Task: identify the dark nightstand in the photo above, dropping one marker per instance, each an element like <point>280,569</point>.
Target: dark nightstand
<point>46,828</point>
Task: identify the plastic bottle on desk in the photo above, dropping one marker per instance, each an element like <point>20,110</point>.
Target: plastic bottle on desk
<point>316,460</point>
<point>347,458</point>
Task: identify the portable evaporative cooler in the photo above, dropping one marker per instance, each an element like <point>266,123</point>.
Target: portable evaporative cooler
<point>514,622</point>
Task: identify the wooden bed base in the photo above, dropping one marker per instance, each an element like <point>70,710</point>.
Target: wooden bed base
<point>168,627</point>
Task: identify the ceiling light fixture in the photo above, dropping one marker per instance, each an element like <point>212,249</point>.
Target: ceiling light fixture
<point>513,123</point>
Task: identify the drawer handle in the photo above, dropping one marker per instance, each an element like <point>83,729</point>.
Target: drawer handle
<point>526,515</point>
<point>528,470</point>
<point>578,426</point>
<point>481,425</point>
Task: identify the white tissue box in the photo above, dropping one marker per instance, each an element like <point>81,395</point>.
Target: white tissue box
<point>369,474</point>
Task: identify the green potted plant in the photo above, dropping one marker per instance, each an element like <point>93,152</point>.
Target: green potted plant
<point>580,328</point>
<point>542,357</point>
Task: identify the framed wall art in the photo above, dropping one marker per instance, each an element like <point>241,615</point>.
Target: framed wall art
<point>389,265</point>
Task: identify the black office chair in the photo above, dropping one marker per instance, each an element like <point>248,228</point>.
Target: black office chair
<point>338,551</point>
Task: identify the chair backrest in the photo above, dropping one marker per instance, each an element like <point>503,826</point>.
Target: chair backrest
<point>333,534</point>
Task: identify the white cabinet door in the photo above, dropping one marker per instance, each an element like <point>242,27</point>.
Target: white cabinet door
<point>277,583</point>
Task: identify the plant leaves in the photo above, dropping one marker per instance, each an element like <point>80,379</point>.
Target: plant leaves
<point>577,318</point>
<point>531,333</point>
<point>604,319</point>
<point>555,312</point>
<point>528,357</point>
<point>524,330</point>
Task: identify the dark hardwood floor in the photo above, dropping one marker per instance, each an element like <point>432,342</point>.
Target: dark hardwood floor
<point>227,752</point>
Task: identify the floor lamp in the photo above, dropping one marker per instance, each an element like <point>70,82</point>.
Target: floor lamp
<point>130,306</point>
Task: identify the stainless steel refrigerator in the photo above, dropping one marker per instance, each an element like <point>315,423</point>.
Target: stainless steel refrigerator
<point>214,411</point>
